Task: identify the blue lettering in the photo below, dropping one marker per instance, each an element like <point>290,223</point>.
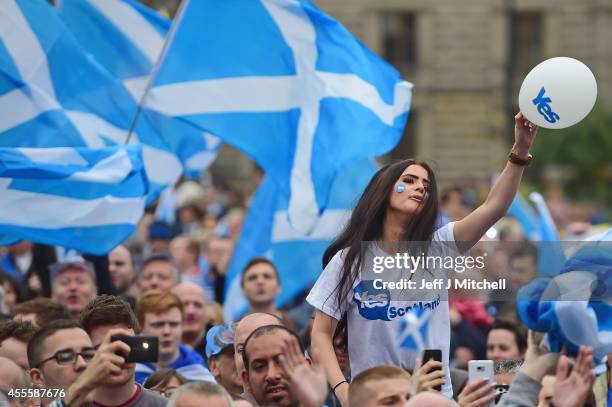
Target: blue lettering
<point>542,102</point>
<point>392,312</point>
<point>401,312</point>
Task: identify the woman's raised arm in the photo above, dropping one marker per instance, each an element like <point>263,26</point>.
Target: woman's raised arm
<point>471,228</point>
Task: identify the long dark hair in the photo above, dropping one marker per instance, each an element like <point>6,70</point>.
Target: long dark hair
<point>367,220</point>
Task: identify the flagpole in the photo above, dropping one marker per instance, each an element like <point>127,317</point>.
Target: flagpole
<point>173,28</point>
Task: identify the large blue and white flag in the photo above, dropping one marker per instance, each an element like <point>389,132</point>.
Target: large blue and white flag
<point>297,256</point>
<point>54,94</point>
<point>126,38</point>
<point>286,84</point>
<point>85,199</point>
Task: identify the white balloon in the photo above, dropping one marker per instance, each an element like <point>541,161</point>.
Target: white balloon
<point>558,93</point>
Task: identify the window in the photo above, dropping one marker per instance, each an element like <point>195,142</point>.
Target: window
<point>526,43</point>
<point>399,39</point>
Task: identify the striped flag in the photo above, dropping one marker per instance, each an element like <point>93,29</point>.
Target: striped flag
<point>126,38</point>
<point>54,94</point>
<point>286,84</point>
<point>297,256</point>
<point>80,198</point>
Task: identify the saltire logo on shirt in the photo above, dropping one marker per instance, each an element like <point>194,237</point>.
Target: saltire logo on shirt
<point>413,329</point>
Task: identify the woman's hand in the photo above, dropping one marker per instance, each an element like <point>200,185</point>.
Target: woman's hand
<point>524,134</point>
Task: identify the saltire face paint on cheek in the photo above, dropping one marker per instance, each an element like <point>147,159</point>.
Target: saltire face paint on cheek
<point>400,188</point>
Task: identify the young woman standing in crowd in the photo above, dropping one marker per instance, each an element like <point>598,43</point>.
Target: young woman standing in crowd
<point>399,204</point>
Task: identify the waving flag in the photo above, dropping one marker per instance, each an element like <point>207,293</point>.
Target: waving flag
<point>53,94</point>
<point>126,38</point>
<point>89,200</point>
<point>550,253</point>
<point>574,307</point>
<point>285,83</point>
<point>297,256</point>
<point>525,215</point>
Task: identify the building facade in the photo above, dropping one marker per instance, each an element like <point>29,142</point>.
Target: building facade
<point>467,59</point>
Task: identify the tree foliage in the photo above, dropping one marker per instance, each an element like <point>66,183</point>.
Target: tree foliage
<point>584,151</point>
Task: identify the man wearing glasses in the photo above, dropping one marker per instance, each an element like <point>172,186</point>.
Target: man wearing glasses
<point>57,354</point>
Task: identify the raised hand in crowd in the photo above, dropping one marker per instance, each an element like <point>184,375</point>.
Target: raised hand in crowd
<point>539,361</point>
<point>478,393</point>
<point>307,382</point>
<point>426,378</point>
<point>572,389</point>
<point>105,362</point>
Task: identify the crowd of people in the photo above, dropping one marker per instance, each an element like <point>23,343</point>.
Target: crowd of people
<point>61,309</point>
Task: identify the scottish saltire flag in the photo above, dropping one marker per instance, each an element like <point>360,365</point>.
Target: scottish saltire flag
<point>286,84</point>
<point>524,214</point>
<point>81,198</point>
<point>574,307</point>
<point>550,253</point>
<point>126,38</point>
<point>297,256</point>
<point>414,329</point>
<point>53,94</point>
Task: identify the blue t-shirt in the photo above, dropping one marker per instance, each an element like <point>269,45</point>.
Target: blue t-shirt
<point>189,363</point>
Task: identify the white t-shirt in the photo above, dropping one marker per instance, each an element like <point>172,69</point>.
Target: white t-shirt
<point>374,325</point>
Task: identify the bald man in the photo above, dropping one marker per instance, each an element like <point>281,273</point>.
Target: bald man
<point>431,399</point>
<point>14,377</point>
<point>244,328</point>
<point>194,326</point>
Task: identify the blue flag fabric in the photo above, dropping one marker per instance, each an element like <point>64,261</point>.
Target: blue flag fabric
<point>126,38</point>
<point>525,215</point>
<point>86,199</point>
<point>54,94</point>
<point>574,308</point>
<point>550,253</point>
<point>286,84</point>
<point>297,256</point>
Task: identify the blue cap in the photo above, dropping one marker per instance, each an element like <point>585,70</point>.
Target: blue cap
<point>160,231</point>
<point>218,338</point>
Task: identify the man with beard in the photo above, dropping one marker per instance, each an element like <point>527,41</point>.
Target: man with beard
<point>109,315</point>
<point>123,276</point>
<point>194,325</point>
<point>276,371</point>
